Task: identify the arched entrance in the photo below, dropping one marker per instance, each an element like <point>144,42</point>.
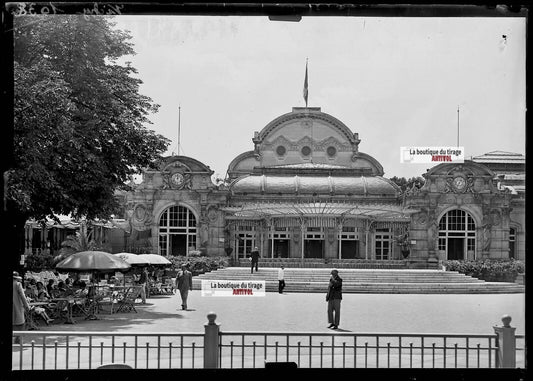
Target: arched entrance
<point>177,231</point>
<point>457,235</point>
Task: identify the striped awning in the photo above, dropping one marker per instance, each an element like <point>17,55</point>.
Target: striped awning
<point>324,209</point>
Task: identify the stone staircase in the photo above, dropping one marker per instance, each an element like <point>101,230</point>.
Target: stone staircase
<point>373,281</point>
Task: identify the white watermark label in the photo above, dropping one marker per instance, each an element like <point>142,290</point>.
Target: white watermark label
<point>233,288</point>
<point>424,155</point>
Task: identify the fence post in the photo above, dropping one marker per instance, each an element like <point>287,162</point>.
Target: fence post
<point>506,344</point>
<point>211,341</point>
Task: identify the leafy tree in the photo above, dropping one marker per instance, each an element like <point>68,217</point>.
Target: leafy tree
<point>405,184</point>
<point>79,119</point>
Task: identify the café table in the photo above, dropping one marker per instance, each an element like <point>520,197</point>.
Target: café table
<point>70,301</point>
<point>110,294</point>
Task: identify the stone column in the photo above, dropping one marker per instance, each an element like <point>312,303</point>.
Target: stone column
<point>302,239</point>
<point>339,242</point>
<point>506,357</point>
<point>211,342</point>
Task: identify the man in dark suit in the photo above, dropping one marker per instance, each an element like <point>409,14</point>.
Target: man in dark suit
<point>334,298</point>
<point>255,259</point>
<point>184,284</point>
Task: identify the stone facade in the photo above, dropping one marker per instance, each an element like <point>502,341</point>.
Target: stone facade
<point>307,191</point>
<point>184,183</point>
<point>463,214</point>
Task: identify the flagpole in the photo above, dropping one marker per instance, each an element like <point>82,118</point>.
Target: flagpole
<point>306,85</point>
<point>457,126</point>
<point>179,127</point>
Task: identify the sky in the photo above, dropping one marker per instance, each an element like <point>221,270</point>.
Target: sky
<point>398,82</point>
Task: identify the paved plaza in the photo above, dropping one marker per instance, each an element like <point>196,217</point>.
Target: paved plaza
<point>386,313</point>
<point>294,313</point>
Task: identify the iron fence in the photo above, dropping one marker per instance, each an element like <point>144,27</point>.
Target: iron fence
<point>88,350</point>
<point>52,350</point>
<point>361,350</point>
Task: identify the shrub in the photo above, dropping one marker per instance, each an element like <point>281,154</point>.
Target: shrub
<point>199,265</point>
<point>39,262</point>
<point>490,270</point>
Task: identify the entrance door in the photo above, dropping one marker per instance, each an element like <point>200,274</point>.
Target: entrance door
<point>314,248</point>
<point>244,244</point>
<point>456,248</point>
<point>178,244</point>
<point>349,249</point>
<point>382,243</point>
<point>281,248</point>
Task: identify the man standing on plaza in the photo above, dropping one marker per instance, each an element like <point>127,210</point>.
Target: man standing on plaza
<point>184,284</point>
<point>281,279</point>
<point>255,259</point>
<point>334,298</point>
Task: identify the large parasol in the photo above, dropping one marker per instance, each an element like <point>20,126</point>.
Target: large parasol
<point>155,259</point>
<point>96,261</point>
<point>133,259</point>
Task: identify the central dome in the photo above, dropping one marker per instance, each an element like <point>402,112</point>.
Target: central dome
<point>305,138</point>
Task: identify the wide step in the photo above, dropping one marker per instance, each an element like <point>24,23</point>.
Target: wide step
<point>315,280</point>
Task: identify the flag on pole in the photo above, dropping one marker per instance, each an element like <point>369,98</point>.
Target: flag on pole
<point>306,88</point>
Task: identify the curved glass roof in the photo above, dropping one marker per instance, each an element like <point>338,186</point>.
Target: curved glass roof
<point>352,185</point>
<point>320,208</point>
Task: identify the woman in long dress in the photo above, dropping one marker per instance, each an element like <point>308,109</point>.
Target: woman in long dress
<point>20,305</point>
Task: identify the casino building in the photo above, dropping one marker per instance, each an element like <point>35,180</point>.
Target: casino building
<point>306,190</point>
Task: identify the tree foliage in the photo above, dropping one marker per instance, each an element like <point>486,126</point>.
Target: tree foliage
<point>405,184</point>
<point>82,240</point>
<point>79,117</point>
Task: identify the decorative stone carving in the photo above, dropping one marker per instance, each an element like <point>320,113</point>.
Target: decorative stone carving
<point>486,234</point>
<point>421,219</point>
<point>204,234</point>
<point>495,217</point>
<point>448,199</point>
<point>305,141</point>
<point>129,209</point>
<point>432,235</point>
<point>177,166</point>
<point>141,217</point>
<point>212,213</point>
<point>140,213</point>
<point>306,123</point>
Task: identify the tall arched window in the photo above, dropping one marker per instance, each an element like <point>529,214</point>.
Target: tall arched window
<point>457,235</point>
<point>177,231</point>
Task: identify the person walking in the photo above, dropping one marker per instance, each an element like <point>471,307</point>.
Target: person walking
<point>184,284</point>
<point>255,259</point>
<point>281,279</point>
<point>143,279</point>
<point>334,297</point>
<point>20,305</point>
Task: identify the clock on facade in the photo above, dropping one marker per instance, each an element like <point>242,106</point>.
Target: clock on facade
<point>177,179</point>
<point>459,183</point>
